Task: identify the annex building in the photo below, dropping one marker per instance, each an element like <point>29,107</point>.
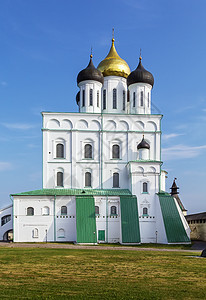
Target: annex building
<point>102,171</point>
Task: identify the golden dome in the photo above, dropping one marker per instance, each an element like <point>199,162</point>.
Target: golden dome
<point>113,64</point>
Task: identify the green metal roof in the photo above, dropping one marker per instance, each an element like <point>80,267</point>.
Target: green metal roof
<point>174,228</point>
<point>74,192</point>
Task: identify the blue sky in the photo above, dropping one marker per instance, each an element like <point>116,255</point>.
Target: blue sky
<point>45,43</point>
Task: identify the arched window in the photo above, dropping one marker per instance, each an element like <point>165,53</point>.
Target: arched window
<point>115,151</point>
<point>113,210</point>
<point>59,178</point>
<point>145,211</point>
<point>60,150</point>
<point>123,104</point>
<point>63,210</point>
<point>83,97</point>
<point>141,99</point>
<point>104,99</point>
<point>45,211</point>
<point>96,210</point>
<point>145,187</point>
<point>134,99</point>
<point>30,211</point>
<point>61,233</point>
<point>91,97</point>
<point>115,180</point>
<point>97,98</point>
<point>114,98</point>
<point>148,99</point>
<point>5,219</point>
<point>35,233</point>
<point>88,179</point>
<point>88,151</point>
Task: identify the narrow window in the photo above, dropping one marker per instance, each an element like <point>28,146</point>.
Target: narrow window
<point>63,210</point>
<point>88,179</point>
<point>141,98</point>
<point>35,233</point>
<point>145,211</point>
<point>96,210</point>
<point>97,98</point>
<point>30,211</point>
<point>114,98</point>
<point>145,187</point>
<point>123,105</point>
<point>5,219</point>
<point>60,151</point>
<point>113,210</point>
<point>148,99</point>
<point>83,98</point>
<point>45,211</point>
<point>115,151</point>
<point>91,97</point>
<point>104,99</point>
<point>88,151</point>
<point>134,99</point>
<point>59,178</point>
<point>115,180</point>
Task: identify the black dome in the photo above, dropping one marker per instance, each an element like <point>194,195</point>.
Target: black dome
<point>90,73</point>
<point>143,144</point>
<point>78,98</point>
<point>140,75</point>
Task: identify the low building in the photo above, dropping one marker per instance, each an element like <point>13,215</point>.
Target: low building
<point>197,223</point>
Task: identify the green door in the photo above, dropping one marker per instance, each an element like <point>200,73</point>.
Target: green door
<point>101,235</point>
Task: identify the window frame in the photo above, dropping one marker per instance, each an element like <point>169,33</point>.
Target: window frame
<point>115,176</point>
<point>89,179</point>
<point>83,98</point>
<point>63,208</point>
<point>90,152</point>
<point>145,184</point>
<point>90,97</point>
<point>114,152</point>
<point>62,150</point>
<point>98,98</point>
<point>141,98</point>
<point>57,178</point>
<point>32,211</point>
<point>145,211</point>
<point>104,99</point>
<point>134,100</point>
<point>124,100</point>
<point>5,219</point>
<point>114,102</point>
<point>113,213</point>
<point>96,210</point>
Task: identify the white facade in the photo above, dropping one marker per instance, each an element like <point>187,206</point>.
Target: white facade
<point>96,150</point>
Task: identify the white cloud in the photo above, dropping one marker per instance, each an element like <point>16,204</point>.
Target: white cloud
<point>181,152</point>
<point>20,126</point>
<point>170,136</point>
<point>4,166</point>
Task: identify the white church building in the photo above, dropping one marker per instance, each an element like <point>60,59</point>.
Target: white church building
<point>102,171</point>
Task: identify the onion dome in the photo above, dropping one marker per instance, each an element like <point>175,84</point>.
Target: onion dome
<point>143,144</point>
<point>90,73</point>
<point>140,75</point>
<point>113,64</point>
<point>78,98</point>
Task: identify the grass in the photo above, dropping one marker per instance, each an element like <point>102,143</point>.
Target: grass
<point>39,273</point>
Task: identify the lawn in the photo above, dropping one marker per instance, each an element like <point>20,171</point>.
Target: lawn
<point>39,273</point>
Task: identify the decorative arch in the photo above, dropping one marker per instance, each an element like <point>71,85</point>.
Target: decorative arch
<point>140,170</point>
<point>53,124</point>
<point>95,125</point>
<point>124,125</point>
<point>82,124</point>
<point>151,126</point>
<point>66,124</point>
<point>111,125</point>
<point>140,125</point>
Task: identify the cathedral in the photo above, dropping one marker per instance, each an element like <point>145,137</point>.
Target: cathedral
<point>103,180</point>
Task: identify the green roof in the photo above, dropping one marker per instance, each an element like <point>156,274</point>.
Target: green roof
<point>174,228</point>
<point>74,192</point>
